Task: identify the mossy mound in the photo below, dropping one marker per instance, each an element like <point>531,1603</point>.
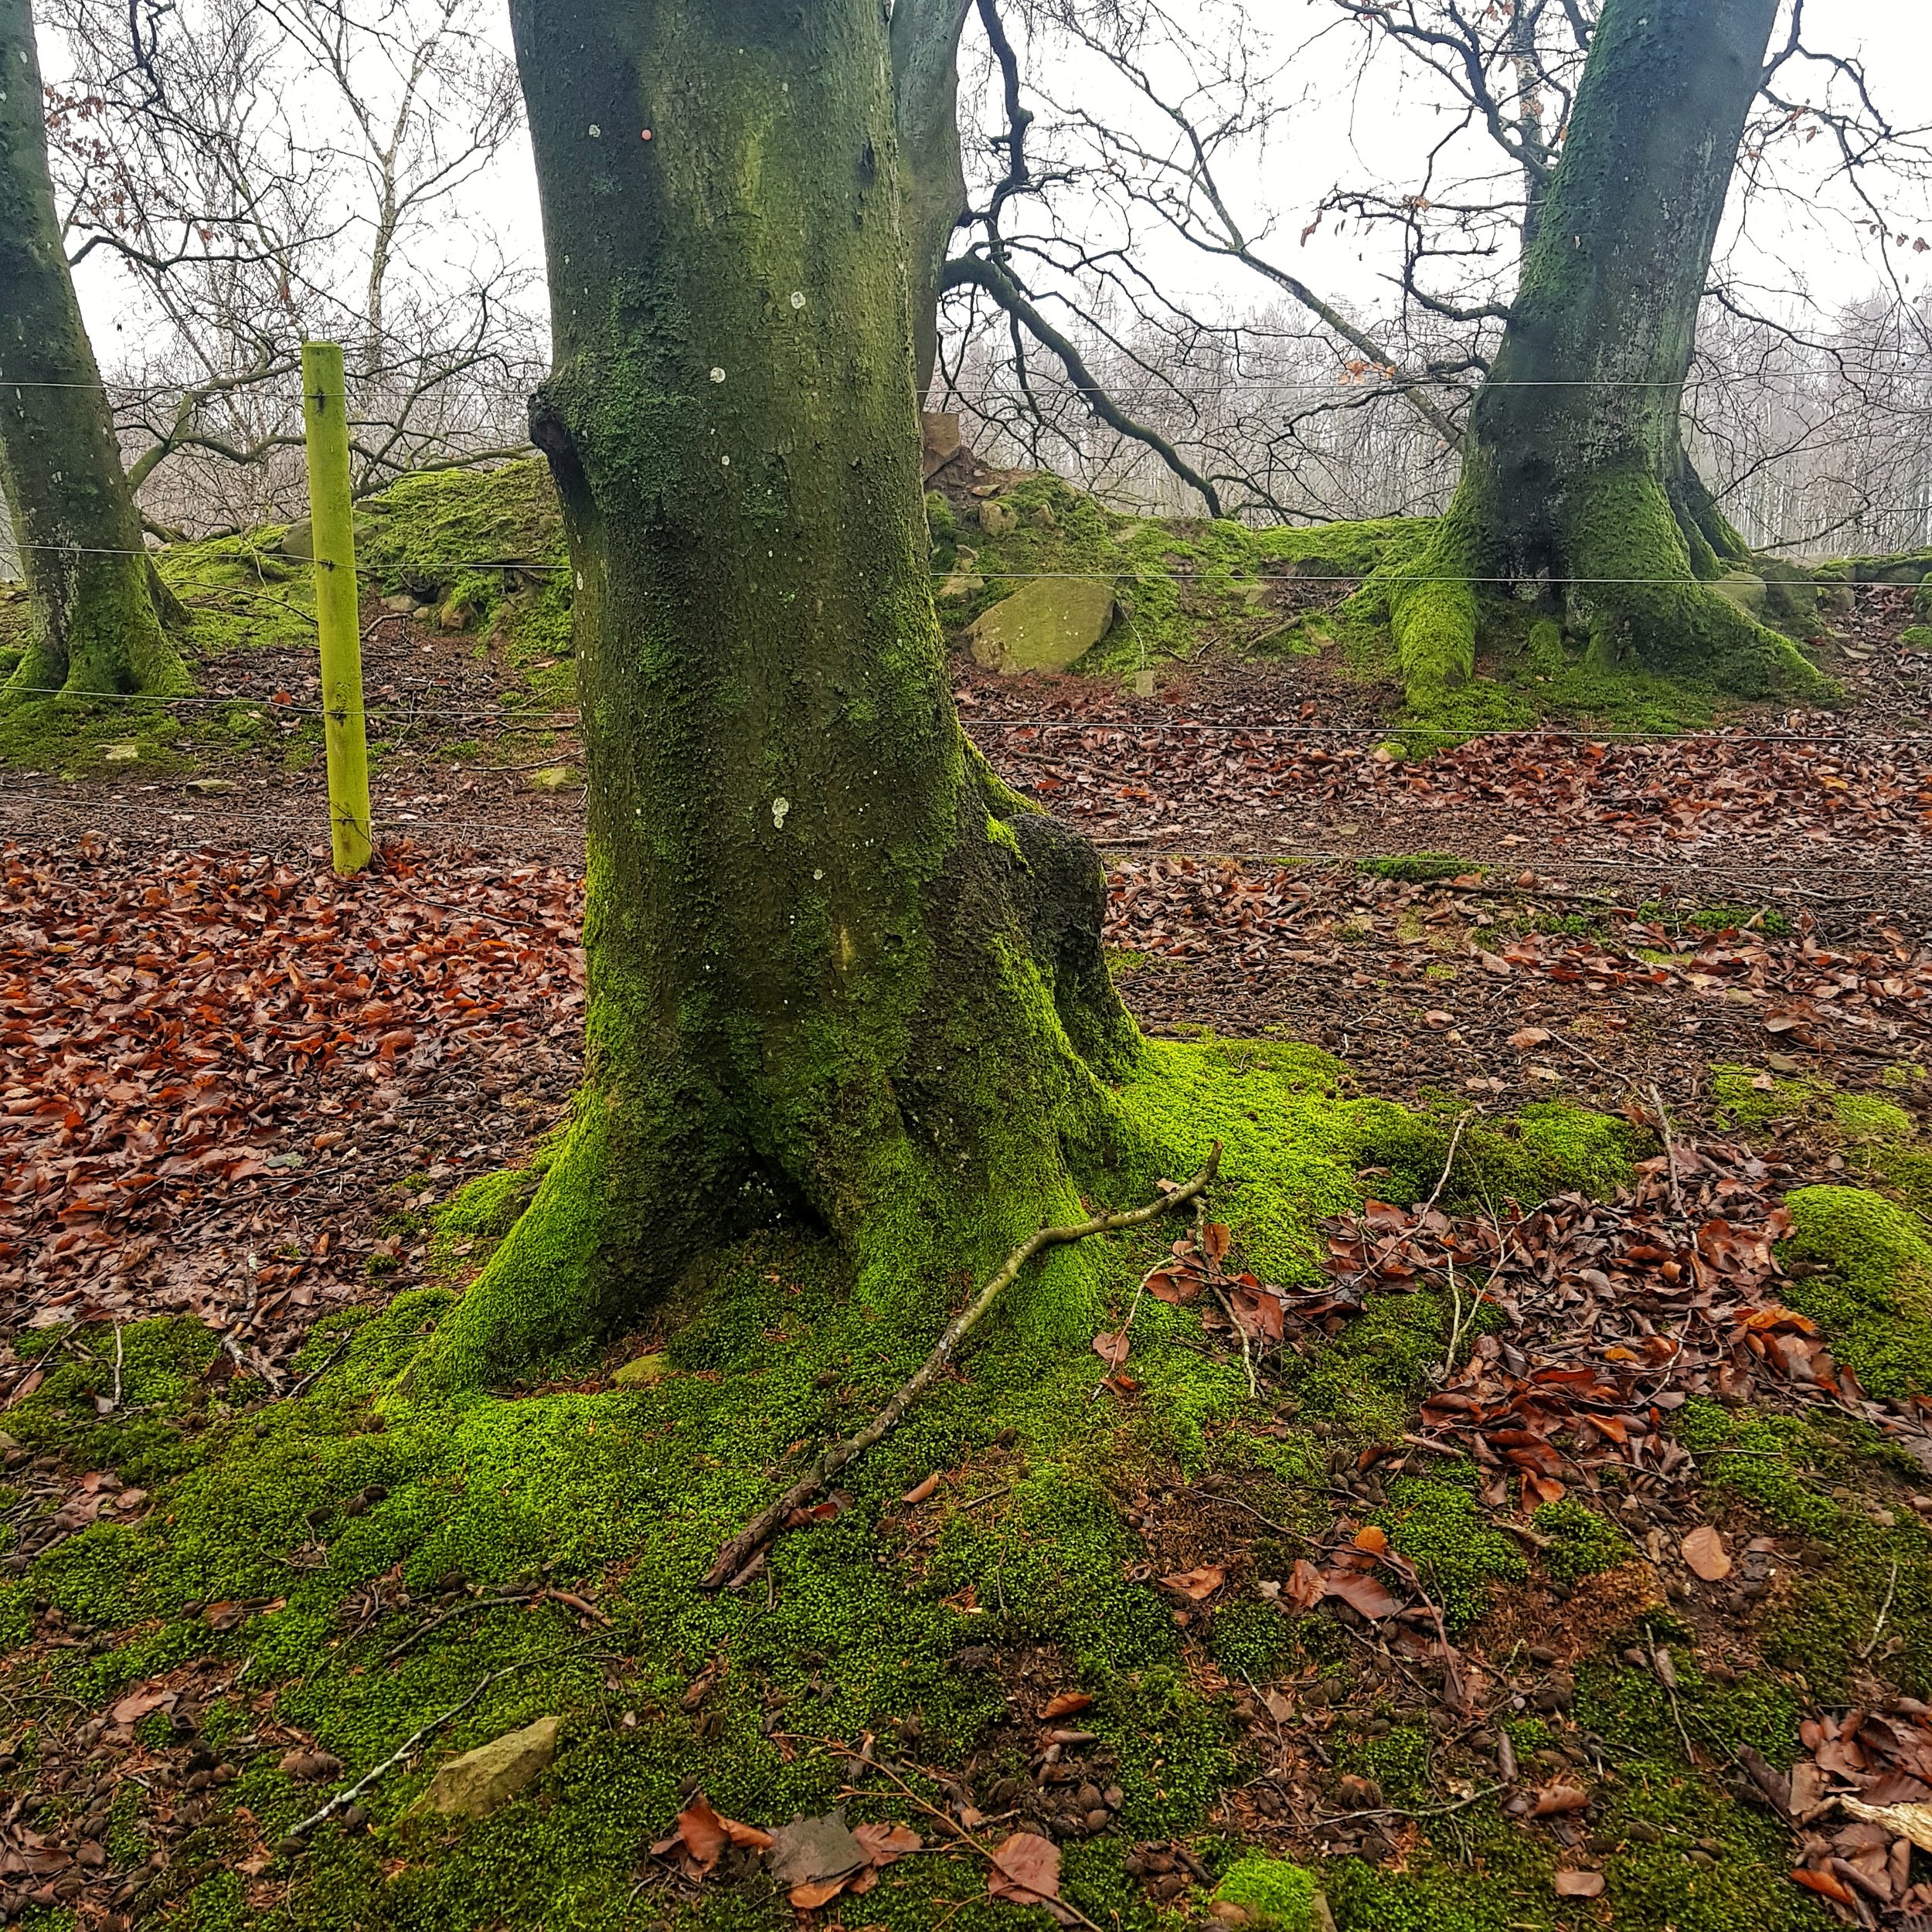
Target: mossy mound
<point>1273,1895</point>
<point>485,547</point>
<point>1178,582</point>
<point>1875,1300</point>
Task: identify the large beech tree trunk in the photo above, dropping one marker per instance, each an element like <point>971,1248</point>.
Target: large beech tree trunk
<point>96,621</point>
<point>1575,473</point>
<point>838,975</point>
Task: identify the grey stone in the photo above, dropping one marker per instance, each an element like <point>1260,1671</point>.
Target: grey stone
<point>999,519</point>
<point>554,778</point>
<point>1046,625</point>
<point>298,541</point>
<point>1745,588</point>
<point>475,1784</point>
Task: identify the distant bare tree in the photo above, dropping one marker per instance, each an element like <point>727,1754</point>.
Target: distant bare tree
<point>246,224</point>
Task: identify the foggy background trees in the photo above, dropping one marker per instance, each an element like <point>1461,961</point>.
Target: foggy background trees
<point>1283,250</point>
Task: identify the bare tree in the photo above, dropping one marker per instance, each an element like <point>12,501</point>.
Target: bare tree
<point>244,225</point>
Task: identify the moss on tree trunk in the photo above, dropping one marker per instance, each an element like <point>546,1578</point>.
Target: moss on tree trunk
<point>96,626</point>
<point>831,977</point>
<point>1575,477</point>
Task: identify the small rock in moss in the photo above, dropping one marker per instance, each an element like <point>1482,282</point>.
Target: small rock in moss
<point>641,1372</point>
<point>475,1784</point>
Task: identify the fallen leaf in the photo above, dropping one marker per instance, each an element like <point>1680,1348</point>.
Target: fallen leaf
<point>1826,1883</point>
<point>1305,1588</point>
<point>1579,1885</point>
<point>704,1835</point>
<point>1554,1800</point>
<point>1196,1584</point>
<point>1530,1036</point>
<point>808,1897</point>
<point>1026,1871</point>
<point>883,1844</point>
<point>1363,1594</point>
<point>809,1851</point>
<point>921,1491</point>
<point>1111,1349</point>
<point>1278,1707</point>
<point>139,1704</point>
<point>1067,1704</point>
<point>1704,1550</point>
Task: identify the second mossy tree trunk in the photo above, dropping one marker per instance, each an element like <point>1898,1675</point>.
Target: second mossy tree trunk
<point>95,604</point>
<point>1575,477</point>
<point>925,52</point>
<point>839,977</point>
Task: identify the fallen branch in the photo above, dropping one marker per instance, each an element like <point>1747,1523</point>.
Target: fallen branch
<point>740,1551</point>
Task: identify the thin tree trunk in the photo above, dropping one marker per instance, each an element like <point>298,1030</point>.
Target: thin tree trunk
<point>838,975</point>
<point>1576,478</point>
<point>95,624</point>
<point>925,54</point>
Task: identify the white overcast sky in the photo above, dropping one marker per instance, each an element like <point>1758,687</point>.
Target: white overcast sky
<point>1805,245</point>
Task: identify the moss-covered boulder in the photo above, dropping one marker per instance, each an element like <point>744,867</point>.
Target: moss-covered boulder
<point>1872,1295</point>
<point>1046,625</point>
<point>1271,1895</point>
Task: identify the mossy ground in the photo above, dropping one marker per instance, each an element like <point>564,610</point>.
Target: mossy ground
<point>315,1512</point>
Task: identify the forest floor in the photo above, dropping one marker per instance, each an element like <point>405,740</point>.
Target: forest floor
<point>237,1088</point>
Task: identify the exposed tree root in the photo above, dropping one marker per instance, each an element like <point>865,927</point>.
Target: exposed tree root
<point>734,1556</point>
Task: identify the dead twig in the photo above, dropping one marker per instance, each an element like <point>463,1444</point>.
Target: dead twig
<point>740,1551</point>
<point>415,1637</point>
<point>1670,1151</point>
<point>1885,1611</point>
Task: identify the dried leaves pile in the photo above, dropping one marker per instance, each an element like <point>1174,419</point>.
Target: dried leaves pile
<point>188,1041</point>
<point>1873,1768</point>
<point>1618,1311</point>
<point>1256,917</point>
<point>1133,781</point>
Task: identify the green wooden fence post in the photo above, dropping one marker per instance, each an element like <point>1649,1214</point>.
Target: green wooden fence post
<point>337,613</point>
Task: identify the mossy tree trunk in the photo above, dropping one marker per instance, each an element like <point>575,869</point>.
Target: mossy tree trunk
<point>838,975</point>
<point>1575,476</point>
<point>97,625</point>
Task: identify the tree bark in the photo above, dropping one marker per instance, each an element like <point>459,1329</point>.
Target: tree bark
<point>839,975</point>
<point>95,624</point>
<point>925,55</point>
<point>1576,478</point>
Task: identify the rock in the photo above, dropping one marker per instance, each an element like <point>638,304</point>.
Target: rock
<point>999,519</point>
<point>209,787</point>
<point>958,587</point>
<point>1745,588</point>
<point>1042,517</point>
<point>475,1784</point>
<point>641,1372</point>
<point>121,754</point>
<point>298,541</point>
<point>402,603</point>
<point>555,778</point>
<point>1046,625</point>
<point>940,432</point>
